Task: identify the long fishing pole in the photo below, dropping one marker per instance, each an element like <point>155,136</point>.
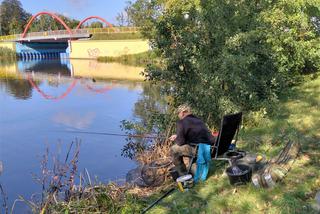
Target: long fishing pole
<point>158,200</point>
<point>113,134</point>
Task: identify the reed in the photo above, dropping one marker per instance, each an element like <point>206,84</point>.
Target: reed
<point>62,194</point>
<point>141,59</point>
<point>7,54</point>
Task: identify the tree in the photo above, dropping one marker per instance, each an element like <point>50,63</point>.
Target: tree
<point>96,24</point>
<point>225,56</point>
<point>47,23</point>
<point>292,31</point>
<point>72,23</point>
<point>12,17</point>
<point>121,19</point>
<point>125,18</point>
<point>14,26</point>
<point>141,13</point>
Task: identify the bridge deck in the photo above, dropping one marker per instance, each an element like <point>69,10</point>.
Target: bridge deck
<point>65,35</point>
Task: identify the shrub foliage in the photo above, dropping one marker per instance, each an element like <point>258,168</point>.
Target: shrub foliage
<point>224,56</point>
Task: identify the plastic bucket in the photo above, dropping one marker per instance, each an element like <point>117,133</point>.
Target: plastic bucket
<point>241,178</point>
<point>251,160</point>
<point>234,155</point>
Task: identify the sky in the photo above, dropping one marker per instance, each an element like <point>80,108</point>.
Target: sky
<point>78,9</point>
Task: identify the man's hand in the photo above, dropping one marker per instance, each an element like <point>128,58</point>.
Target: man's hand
<point>173,137</point>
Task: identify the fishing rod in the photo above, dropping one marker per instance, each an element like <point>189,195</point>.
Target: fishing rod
<point>114,134</point>
<point>158,200</point>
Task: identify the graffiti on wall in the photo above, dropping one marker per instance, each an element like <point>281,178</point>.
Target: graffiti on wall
<point>96,52</point>
<point>93,52</point>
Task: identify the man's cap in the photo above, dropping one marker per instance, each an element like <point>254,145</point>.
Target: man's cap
<point>184,108</point>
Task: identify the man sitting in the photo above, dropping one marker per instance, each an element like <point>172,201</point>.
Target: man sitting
<point>190,130</point>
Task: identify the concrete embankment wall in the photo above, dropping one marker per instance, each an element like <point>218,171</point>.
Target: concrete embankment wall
<point>90,49</point>
<point>80,49</point>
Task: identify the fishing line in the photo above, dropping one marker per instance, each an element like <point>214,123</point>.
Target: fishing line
<point>113,134</point>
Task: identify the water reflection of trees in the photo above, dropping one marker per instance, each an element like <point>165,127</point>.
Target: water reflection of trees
<point>19,88</point>
<point>149,112</point>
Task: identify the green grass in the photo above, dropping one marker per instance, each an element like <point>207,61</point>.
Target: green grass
<point>298,119</point>
<point>116,36</point>
<point>7,55</point>
<point>141,59</point>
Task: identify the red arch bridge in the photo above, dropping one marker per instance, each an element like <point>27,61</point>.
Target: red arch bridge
<point>56,43</point>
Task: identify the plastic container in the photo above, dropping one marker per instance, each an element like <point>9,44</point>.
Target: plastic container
<point>185,182</point>
<point>233,155</point>
<point>256,180</point>
<point>269,180</point>
<point>243,177</point>
<point>250,160</point>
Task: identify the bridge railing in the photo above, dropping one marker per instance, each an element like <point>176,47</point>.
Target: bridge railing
<point>53,33</point>
<point>64,33</point>
<point>113,30</point>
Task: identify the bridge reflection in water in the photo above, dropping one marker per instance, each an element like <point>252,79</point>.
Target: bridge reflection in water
<point>86,73</point>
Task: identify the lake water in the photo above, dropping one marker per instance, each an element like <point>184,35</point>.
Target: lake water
<point>40,101</point>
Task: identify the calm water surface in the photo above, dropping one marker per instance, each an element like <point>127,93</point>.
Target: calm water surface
<point>39,101</point>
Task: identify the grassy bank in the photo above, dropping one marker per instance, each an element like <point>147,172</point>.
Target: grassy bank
<point>7,54</point>
<point>297,119</point>
<point>141,59</point>
<point>116,36</point>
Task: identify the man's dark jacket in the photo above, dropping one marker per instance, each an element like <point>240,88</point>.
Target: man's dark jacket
<point>192,130</point>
